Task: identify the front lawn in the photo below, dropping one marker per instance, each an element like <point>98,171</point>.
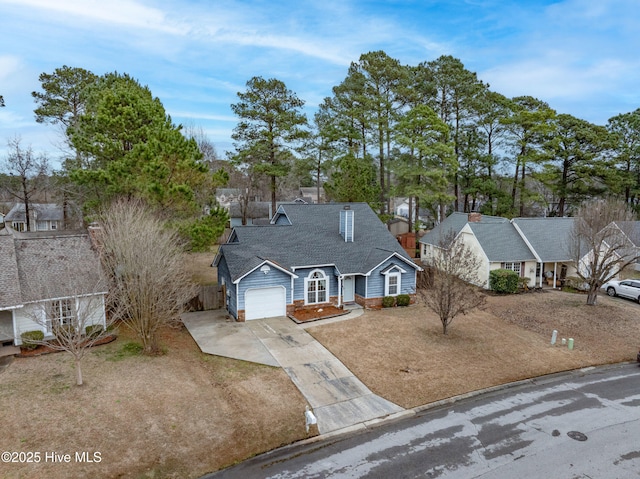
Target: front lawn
<point>402,355</point>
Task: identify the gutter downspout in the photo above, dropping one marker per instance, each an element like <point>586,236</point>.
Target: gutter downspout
<point>340,277</point>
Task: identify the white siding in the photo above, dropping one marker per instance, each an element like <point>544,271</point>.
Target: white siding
<point>32,318</point>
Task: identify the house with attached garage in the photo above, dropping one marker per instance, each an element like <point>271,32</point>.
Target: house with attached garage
<point>46,278</point>
<point>312,255</point>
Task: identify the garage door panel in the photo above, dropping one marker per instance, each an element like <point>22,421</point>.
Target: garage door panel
<point>264,303</point>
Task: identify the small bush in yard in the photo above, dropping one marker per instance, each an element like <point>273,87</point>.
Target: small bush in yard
<point>403,300</point>
<point>93,330</point>
<point>28,338</point>
<point>388,301</point>
<point>503,281</point>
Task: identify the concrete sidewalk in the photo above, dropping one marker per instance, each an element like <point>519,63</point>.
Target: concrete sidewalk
<point>338,399</point>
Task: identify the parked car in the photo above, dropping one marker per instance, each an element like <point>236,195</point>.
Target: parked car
<point>639,356</point>
<point>629,288</point>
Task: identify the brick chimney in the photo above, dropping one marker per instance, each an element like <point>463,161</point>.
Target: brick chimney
<point>475,217</point>
<point>95,235</point>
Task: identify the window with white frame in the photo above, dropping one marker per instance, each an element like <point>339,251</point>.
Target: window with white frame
<point>61,312</point>
<point>392,283</point>
<point>316,287</point>
<point>512,266</point>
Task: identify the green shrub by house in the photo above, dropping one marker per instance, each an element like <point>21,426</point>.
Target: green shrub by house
<point>388,301</point>
<point>28,338</point>
<point>93,330</point>
<point>403,300</point>
<point>503,281</point>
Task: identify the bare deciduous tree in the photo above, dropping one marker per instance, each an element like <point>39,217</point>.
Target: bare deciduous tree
<point>149,284</point>
<point>448,287</point>
<point>603,242</point>
<point>27,174</point>
<point>78,286</point>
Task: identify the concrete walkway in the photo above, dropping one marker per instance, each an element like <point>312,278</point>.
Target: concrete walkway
<point>337,397</point>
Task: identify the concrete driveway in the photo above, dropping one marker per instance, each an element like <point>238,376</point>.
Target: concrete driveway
<point>338,399</point>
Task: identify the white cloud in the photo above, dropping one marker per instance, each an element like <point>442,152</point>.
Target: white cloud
<point>121,12</point>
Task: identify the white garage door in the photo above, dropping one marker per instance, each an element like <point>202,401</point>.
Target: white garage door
<point>264,303</point>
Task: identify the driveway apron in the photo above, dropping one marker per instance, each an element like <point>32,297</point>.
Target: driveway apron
<point>337,397</point>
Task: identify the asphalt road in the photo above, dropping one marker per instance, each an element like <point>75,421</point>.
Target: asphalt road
<point>573,426</point>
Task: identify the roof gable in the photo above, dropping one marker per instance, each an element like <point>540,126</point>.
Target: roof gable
<point>453,224</point>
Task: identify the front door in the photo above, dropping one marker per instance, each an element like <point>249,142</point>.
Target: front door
<point>348,289</point>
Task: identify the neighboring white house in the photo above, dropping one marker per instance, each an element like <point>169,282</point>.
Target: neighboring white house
<point>47,276</point>
<point>402,208</point>
<point>535,248</point>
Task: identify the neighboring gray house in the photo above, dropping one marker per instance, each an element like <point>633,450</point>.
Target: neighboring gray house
<point>43,217</point>
<point>46,276</point>
<point>312,255</point>
<point>257,212</point>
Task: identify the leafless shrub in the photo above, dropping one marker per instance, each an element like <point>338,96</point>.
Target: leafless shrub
<point>149,284</point>
<point>448,287</point>
<point>604,241</point>
<point>75,315</point>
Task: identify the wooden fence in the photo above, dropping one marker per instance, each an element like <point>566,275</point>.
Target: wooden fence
<point>209,297</point>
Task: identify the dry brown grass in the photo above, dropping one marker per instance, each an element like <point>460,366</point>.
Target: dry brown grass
<point>200,266</point>
<point>178,415</point>
<point>402,355</point>
<point>185,413</point>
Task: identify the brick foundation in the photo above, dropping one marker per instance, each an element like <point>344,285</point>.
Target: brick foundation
<point>367,303</point>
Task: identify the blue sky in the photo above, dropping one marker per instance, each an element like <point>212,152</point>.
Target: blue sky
<point>580,56</point>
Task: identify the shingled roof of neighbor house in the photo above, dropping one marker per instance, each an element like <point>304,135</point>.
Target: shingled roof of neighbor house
<point>44,212</point>
<point>549,238</point>
<point>35,267</point>
<point>501,242</point>
<point>311,237</point>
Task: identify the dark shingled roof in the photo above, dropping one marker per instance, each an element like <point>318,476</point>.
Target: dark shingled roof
<point>501,242</point>
<point>498,238</point>
<point>549,238</point>
<point>38,267</point>
<point>312,239</point>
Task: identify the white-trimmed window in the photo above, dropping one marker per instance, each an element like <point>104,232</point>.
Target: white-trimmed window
<point>316,287</point>
<point>392,284</point>
<point>61,312</point>
<point>512,266</point>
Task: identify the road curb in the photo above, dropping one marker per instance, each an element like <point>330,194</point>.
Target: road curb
<point>547,378</point>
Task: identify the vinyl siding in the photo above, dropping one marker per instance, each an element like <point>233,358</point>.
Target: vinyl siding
<point>298,285</point>
<point>225,278</point>
<point>376,279</point>
<point>31,316</point>
<point>257,279</point>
